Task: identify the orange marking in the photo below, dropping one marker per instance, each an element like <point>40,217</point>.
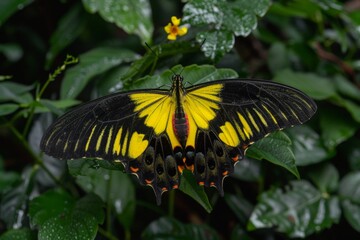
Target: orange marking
<point>180,168</point>
<point>134,169</point>
<point>148,182</point>
<point>201,183</point>
<point>191,167</point>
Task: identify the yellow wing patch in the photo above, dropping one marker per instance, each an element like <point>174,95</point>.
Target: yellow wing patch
<point>117,145</point>
<point>108,142</point>
<point>270,114</point>
<point>247,129</point>
<point>157,109</point>
<point>253,121</point>
<point>200,106</point>
<point>229,135</point>
<point>125,146</point>
<point>98,143</point>
<point>89,139</point>
<point>137,145</point>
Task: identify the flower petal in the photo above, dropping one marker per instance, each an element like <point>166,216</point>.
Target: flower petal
<point>182,31</point>
<point>175,20</point>
<point>167,28</point>
<point>171,37</point>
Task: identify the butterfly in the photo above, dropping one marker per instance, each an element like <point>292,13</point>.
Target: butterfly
<point>157,134</point>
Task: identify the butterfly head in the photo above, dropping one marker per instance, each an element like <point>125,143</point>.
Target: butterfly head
<point>177,82</point>
<point>177,78</point>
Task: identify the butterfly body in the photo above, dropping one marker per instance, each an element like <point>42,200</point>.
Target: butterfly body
<point>156,133</point>
<point>180,121</point>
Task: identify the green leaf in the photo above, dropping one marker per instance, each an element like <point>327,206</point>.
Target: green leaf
<point>13,52</point>
<point>346,88</point>
<point>134,16</point>
<point>325,177</point>
<point>353,108</point>
<point>70,26</point>
<point>247,169</point>
<point>8,180</point>
<point>8,108</point>
<point>57,214</point>
<point>278,58</point>
<point>110,82</point>
<point>239,232</point>
<point>92,63</point>
<point>312,10</point>
<point>14,202</point>
<point>215,43</point>
<point>57,106</point>
<point>240,206</point>
<point>298,211</point>
<point>351,151</point>
<point>140,67</point>
<point>336,128</point>
<point>19,234</point>
<point>317,87</point>
<point>193,74</point>
<point>349,192</point>
<point>189,186</point>
<point>9,7</point>
<point>307,146</point>
<point>303,9</point>
<point>10,91</point>
<point>78,166</point>
<point>196,74</point>
<point>50,204</point>
<point>238,16</point>
<point>275,148</point>
<point>225,19</point>
<point>169,228</point>
<point>106,184</point>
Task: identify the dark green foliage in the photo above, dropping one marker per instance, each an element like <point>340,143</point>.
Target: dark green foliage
<point>307,182</point>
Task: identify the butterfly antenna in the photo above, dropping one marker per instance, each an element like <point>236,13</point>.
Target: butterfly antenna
<point>155,60</point>
<point>150,48</point>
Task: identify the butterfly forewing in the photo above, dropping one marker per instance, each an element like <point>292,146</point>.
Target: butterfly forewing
<point>221,119</point>
<point>107,128</point>
<point>249,110</point>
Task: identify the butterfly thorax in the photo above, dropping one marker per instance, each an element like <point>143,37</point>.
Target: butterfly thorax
<point>180,120</point>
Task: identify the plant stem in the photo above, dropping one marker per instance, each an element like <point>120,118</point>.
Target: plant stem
<point>69,60</point>
<point>32,154</point>
<point>107,234</point>
<point>171,203</point>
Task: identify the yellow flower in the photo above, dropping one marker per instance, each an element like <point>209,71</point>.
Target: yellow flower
<point>173,29</point>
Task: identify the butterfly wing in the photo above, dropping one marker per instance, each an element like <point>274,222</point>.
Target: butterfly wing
<point>245,111</point>
<point>130,128</point>
<point>136,129</point>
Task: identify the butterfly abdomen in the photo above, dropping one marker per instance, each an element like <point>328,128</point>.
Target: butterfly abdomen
<point>181,125</point>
